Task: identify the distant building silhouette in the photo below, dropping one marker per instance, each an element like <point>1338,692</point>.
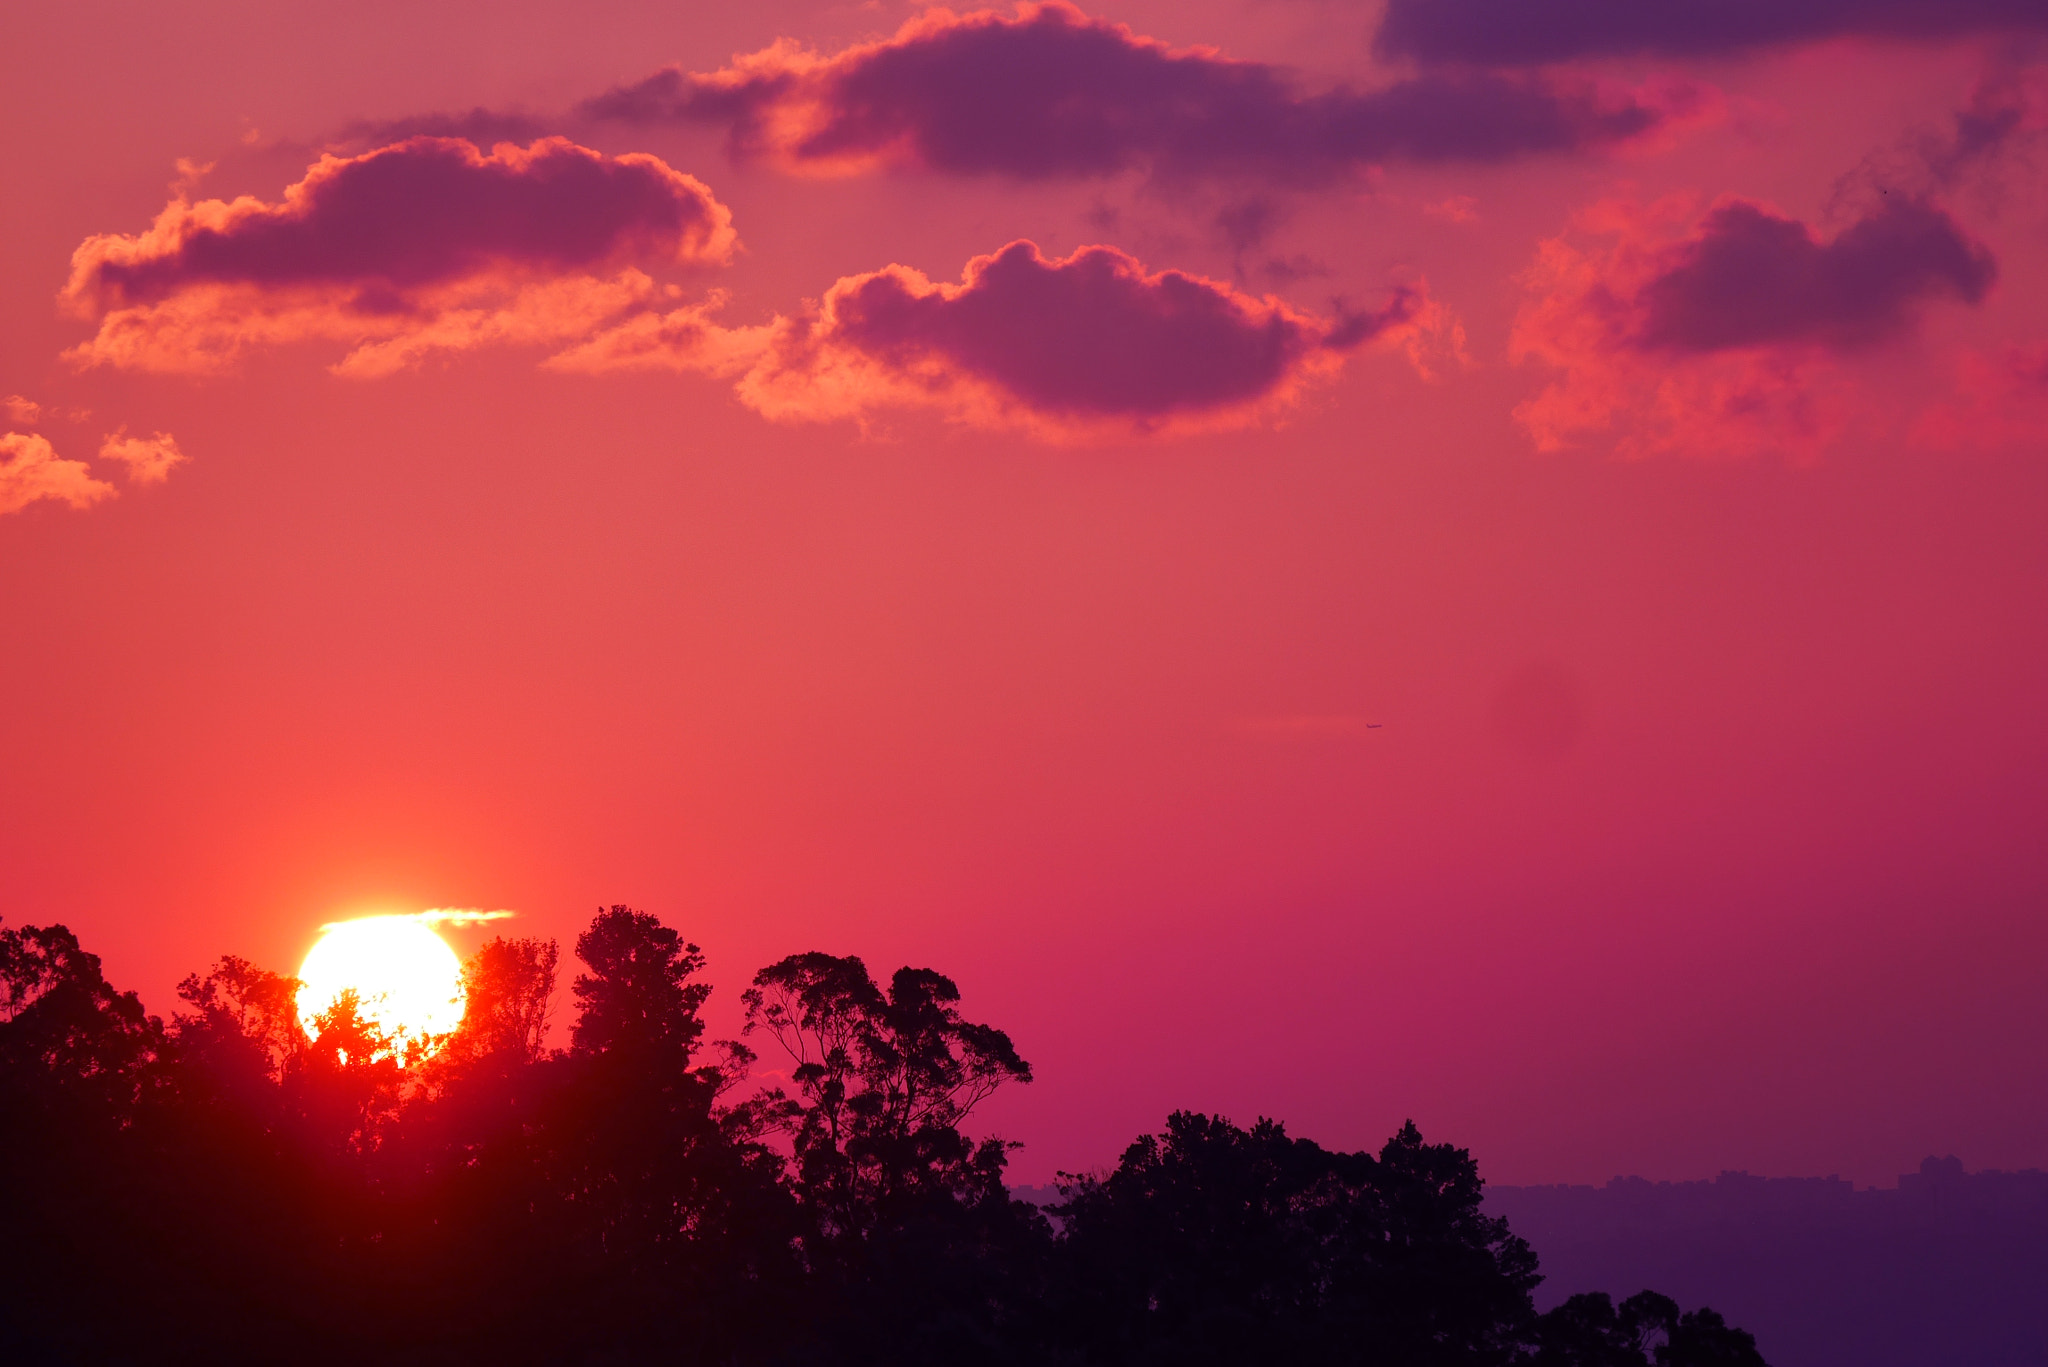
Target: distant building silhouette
<point>1947,1269</point>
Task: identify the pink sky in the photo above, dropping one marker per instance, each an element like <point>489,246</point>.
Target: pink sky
<point>716,512</point>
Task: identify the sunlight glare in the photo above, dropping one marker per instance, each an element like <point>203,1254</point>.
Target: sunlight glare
<point>406,978</point>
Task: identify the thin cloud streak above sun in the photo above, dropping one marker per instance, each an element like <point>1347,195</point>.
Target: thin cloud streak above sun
<point>1049,93</point>
<point>434,916</point>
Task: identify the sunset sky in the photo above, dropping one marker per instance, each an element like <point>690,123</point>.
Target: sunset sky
<point>1323,560</point>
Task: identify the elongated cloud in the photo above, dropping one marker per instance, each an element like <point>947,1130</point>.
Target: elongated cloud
<point>1515,32</point>
<point>1751,277</point>
<point>427,243</point>
<point>1724,332</point>
<point>1048,92</point>
<point>31,470</point>
<point>1088,342</point>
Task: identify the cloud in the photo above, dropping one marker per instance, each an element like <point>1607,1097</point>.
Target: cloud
<point>1515,32</point>
<point>21,410</point>
<point>2000,400</point>
<point>31,470</point>
<point>149,459</point>
<point>1723,333</point>
<point>1089,342</point>
<point>1751,277</point>
<point>424,244</point>
<point>1049,93</point>
<point>2001,121</point>
<point>460,916</point>
<point>436,916</point>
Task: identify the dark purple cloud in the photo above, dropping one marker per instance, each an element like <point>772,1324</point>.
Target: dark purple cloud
<point>1062,347</point>
<point>1049,92</point>
<point>1516,32</point>
<point>1093,335</point>
<point>1752,278</point>
<point>417,214</point>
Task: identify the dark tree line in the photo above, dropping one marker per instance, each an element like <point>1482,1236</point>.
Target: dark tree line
<point>222,1188</point>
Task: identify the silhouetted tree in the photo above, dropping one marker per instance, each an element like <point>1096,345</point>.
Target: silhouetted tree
<point>70,1039</point>
<point>920,1252</point>
<point>1589,1330</point>
<point>1215,1244</point>
<point>673,1204</point>
<point>243,1028</point>
<point>508,998</point>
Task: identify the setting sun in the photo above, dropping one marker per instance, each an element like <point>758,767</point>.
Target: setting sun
<point>407,981</point>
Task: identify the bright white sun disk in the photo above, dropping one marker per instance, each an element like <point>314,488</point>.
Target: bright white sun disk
<point>406,979</point>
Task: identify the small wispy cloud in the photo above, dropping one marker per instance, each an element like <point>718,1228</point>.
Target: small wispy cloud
<point>149,459</point>
<point>460,916</point>
<point>436,916</point>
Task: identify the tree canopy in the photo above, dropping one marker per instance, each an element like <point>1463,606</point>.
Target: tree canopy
<point>228,1187</point>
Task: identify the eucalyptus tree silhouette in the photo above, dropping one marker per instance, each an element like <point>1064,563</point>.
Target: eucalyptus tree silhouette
<point>918,1250</point>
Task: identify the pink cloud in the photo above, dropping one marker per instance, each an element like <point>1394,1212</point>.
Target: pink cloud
<point>1049,92</point>
<point>1751,277</point>
<point>1089,342</point>
<point>149,459</point>
<point>421,245</point>
<point>2000,399</point>
<point>1726,332</point>
<point>31,470</point>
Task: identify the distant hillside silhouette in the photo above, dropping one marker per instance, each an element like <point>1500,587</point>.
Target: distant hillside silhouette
<point>1947,1269</point>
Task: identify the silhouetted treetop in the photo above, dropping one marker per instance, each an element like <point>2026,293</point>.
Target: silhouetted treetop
<point>1212,1243</point>
<point>884,1080</point>
<point>1589,1330</point>
<point>63,1027</point>
<point>244,1019</point>
<point>637,996</point>
<point>508,997</point>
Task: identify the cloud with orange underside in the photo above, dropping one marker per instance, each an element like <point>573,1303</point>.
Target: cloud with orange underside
<point>31,471</point>
<point>1728,332</point>
<point>1091,343</point>
<point>424,245</point>
<point>1047,92</point>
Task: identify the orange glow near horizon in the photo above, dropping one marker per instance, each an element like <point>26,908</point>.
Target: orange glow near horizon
<point>407,979</point>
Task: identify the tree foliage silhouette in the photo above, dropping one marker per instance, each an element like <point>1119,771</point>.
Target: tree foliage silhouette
<point>913,1241</point>
<point>1215,1244</point>
<point>239,1186</point>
